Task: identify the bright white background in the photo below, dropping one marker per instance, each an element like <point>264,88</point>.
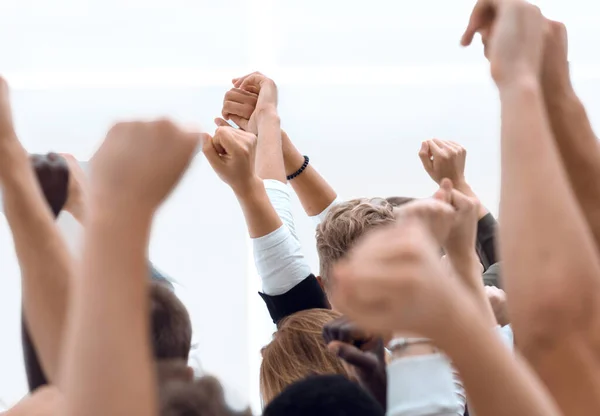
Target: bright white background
<point>361,85</point>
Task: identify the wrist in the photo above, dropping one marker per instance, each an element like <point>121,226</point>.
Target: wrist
<point>525,84</point>
<point>267,113</point>
<point>248,189</point>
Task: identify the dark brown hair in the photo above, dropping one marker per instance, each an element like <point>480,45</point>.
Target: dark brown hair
<point>170,324</point>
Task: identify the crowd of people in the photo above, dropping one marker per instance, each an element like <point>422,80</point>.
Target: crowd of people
<point>414,306</point>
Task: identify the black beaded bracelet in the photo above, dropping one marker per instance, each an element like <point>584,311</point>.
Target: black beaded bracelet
<point>299,171</point>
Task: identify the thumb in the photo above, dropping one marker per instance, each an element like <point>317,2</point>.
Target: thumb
<point>425,156</point>
<point>209,149</point>
<point>444,194</point>
<point>482,12</point>
<point>353,356</point>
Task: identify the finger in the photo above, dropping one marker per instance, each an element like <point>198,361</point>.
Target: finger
<point>442,144</point>
<point>210,151</point>
<point>241,122</point>
<point>221,123</point>
<point>479,15</point>
<point>435,149</point>
<point>239,109</point>
<point>354,356</point>
<point>425,156</point>
<point>240,96</point>
<point>252,81</point>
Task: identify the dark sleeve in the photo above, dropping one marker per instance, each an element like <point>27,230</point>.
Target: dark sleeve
<point>308,294</point>
<point>492,276</point>
<point>486,240</point>
<point>35,375</point>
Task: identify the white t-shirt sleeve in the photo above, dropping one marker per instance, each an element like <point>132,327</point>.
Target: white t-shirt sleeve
<point>507,336</point>
<point>318,219</point>
<point>423,386</point>
<point>278,256</point>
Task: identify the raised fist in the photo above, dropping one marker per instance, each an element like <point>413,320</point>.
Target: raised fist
<point>437,215</point>
<point>443,159</point>
<point>392,281</point>
<point>238,106</point>
<point>139,163</point>
<point>231,153</point>
<point>513,32</point>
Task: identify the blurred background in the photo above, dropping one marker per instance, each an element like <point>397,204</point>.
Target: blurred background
<point>361,85</point>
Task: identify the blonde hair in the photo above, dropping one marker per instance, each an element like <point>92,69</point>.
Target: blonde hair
<point>298,351</point>
<point>346,223</point>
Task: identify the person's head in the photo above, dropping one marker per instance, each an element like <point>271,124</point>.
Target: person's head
<point>202,397</point>
<point>344,225</point>
<point>329,395</point>
<point>297,351</point>
<point>171,328</point>
<point>397,201</point>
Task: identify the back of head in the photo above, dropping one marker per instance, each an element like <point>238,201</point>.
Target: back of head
<point>297,351</point>
<point>202,397</point>
<point>345,224</point>
<point>330,395</point>
<point>397,201</point>
<point>171,328</point>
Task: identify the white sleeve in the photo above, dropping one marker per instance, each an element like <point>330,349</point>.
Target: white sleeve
<point>280,196</point>
<point>423,386</point>
<point>507,336</point>
<point>318,219</point>
<point>278,256</point>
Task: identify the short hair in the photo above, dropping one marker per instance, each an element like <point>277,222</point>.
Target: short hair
<point>330,395</point>
<point>297,351</point>
<point>171,327</point>
<point>345,224</point>
<point>397,201</point>
<point>202,397</point>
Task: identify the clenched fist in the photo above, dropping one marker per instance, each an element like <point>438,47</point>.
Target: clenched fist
<point>437,215</point>
<point>139,163</point>
<point>232,154</point>
<point>513,32</point>
<point>443,159</point>
<point>393,281</point>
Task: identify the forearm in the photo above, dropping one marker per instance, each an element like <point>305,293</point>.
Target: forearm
<point>497,384</point>
<point>314,192</point>
<point>44,259</point>
<point>108,351</point>
<point>467,268</point>
<point>579,150</point>
<point>261,217</point>
<point>466,189</point>
<point>546,257</point>
<point>269,156</point>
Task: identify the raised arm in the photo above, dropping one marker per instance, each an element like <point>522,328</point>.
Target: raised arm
<point>108,367</point>
<point>46,266</point>
<point>314,192</point>
<point>393,281</point>
<point>551,268</point>
<point>443,159</point>
<point>573,134</point>
<point>53,178</point>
